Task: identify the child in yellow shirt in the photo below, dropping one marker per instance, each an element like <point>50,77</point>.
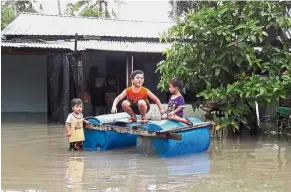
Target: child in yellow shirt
<point>74,125</point>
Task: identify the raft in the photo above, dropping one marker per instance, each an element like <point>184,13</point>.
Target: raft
<point>163,138</point>
<point>193,140</point>
<point>104,140</point>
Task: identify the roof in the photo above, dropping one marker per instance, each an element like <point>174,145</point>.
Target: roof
<point>122,46</point>
<point>125,46</point>
<point>54,25</point>
<point>44,45</point>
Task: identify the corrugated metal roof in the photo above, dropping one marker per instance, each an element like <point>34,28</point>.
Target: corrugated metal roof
<point>122,46</point>
<point>44,45</point>
<point>125,46</point>
<point>39,24</point>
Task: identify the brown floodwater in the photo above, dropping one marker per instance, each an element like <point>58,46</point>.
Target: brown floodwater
<point>36,157</point>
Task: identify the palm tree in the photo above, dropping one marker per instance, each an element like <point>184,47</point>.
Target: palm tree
<point>91,8</point>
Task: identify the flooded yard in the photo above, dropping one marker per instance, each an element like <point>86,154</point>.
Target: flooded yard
<point>36,157</point>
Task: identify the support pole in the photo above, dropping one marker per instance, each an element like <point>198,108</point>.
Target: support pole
<point>131,63</point>
<point>80,89</point>
<point>76,43</point>
<point>129,68</point>
<point>127,75</point>
<point>59,7</point>
<point>175,10</point>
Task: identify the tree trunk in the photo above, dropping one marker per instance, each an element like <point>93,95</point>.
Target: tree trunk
<point>252,120</point>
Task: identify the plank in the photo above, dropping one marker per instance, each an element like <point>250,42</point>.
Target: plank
<point>135,128</point>
<point>136,131</point>
<point>173,136</point>
<point>195,126</point>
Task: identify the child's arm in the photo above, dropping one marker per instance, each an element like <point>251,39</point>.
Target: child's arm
<point>117,100</point>
<point>68,125</point>
<point>68,128</point>
<point>156,100</point>
<point>86,122</point>
<point>180,108</point>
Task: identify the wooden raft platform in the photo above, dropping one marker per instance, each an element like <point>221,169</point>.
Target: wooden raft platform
<point>137,129</point>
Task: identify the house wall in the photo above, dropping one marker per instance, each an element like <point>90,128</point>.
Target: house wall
<point>24,83</point>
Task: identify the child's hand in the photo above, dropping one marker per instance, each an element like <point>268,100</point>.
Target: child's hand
<point>172,113</point>
<point>164,116</point>
<point>162,111</point>
<point>69,134</point>
<point>87,122</point>
<point>113,110</point>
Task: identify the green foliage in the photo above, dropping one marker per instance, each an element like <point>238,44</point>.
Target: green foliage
<point>72,8</point>
<point>11,9</point>
<point>7,16</point>
<point>90,12</point>
<point>214,52</point>
<point>183,7</point>
<point>91,8</point>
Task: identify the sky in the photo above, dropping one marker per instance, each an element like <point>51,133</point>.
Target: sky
<point>144,10</point>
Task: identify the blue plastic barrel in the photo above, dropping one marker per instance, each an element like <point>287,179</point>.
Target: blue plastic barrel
<point>193,141</point>
<point>104,140</point>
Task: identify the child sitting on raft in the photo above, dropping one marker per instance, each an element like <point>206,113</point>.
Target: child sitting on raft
<point>74,125</point>
<point>137,98</point>
<point>176,103</point>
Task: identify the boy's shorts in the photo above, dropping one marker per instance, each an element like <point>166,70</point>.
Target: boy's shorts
<point>76,146</point>
<point>134,107</point>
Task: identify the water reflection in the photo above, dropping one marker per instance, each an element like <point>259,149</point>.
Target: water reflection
<point>187,165</point>
<point>74,171</point>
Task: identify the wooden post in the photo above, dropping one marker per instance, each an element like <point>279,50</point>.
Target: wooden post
<point>59,7</point>
<point>175,7</point>
<point>76,42</point>
<point>131,63</point>
<point>127,76</point>
<point>80,79</point>
<point>129,69</point>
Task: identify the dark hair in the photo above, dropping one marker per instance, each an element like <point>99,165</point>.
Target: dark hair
<point>177,83</point>
<point>134,73</point>
<point>76,101</point>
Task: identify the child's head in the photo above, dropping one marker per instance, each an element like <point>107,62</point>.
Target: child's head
<point>86,97</point>
<point>77,105</point>
<point>175,85</point>
<point>137,78</point>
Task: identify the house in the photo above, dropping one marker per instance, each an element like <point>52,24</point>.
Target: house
<point>47,60</point>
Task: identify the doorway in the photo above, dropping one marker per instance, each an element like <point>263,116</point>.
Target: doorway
<point>115,79</point>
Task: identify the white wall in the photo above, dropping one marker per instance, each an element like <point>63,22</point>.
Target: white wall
<point>24,83</point>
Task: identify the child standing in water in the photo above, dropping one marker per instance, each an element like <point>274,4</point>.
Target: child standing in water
<point>176,103</point>
<point>137,98</point>
<point>74,125</point>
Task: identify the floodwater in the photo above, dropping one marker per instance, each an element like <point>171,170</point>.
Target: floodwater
<point>35,157</point>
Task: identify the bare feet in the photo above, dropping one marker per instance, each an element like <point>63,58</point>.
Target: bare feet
<point>188,121</point>
<point>144,120</point>
<point>132,120</point>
